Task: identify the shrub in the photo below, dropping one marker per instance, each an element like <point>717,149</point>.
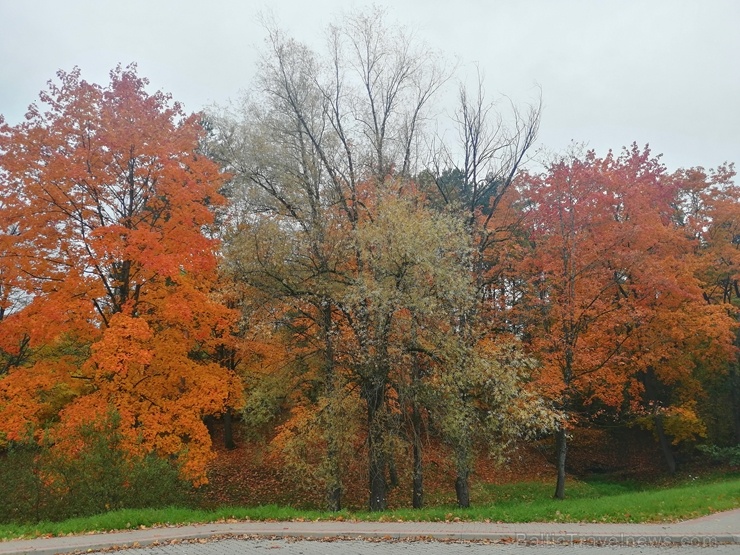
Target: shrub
<point>41,483</point>
<point>20,486</point>
<point>727,455</point>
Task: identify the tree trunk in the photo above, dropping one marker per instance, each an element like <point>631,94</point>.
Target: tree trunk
<point>228,430</point>
<point>462,488</point>
<point>653,394</point>
<point>462,479</point>
<point>374,394</point>
<point>561,448</point>
<point>334,498</point>
<point>417,494</point>
<point>392,473</point>
<point>561,436</point>
<point>334,483</point>
<point>665,445</point>
<point>210,423</point>
<point>378,486</point>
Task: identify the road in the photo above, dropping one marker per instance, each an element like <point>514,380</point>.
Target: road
<point>716,533</point>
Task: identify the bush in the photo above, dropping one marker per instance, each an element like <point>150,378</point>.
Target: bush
<point>39,483</point>
<point>20,486</point>
<point>727,455</point>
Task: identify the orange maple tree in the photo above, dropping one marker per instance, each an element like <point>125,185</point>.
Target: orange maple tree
<point>710,212</point>
<point>614,291</point>
<point>105,211</point>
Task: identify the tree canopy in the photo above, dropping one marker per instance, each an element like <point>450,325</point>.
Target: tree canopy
<point>318,259</point>
<point>109,271</point>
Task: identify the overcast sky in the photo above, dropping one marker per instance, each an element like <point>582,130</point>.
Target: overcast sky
<point>664,72</point>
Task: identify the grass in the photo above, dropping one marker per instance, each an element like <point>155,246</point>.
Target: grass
<point>588,501</point>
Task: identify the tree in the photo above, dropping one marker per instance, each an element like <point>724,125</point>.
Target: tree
<point>707,209</point>
<point>474,179</point>
<point>612,283</point>
<point>306,156</point>
<point>109,201</point>
<point>407,290</point>
<point>322,153</point>
<point>487,397</point>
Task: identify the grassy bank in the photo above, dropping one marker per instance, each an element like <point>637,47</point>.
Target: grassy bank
<point>588,501</point>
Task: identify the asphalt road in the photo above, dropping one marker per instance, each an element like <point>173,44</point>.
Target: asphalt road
<point>716,533</point>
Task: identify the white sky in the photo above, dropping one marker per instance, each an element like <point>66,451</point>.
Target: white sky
<point>611,72</point>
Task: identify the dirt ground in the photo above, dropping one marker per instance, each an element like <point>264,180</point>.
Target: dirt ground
<point>253,474</point>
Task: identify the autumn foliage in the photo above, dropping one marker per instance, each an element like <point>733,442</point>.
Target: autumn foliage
<point>613,278</point>
<point>108,272</point>
<point>299,267</point>
<point>616,306</point>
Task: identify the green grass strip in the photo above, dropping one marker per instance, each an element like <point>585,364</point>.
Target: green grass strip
<point>595,501</point>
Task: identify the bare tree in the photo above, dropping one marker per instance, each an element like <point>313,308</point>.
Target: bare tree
<point>474,177</point>
<point>315,132</point>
